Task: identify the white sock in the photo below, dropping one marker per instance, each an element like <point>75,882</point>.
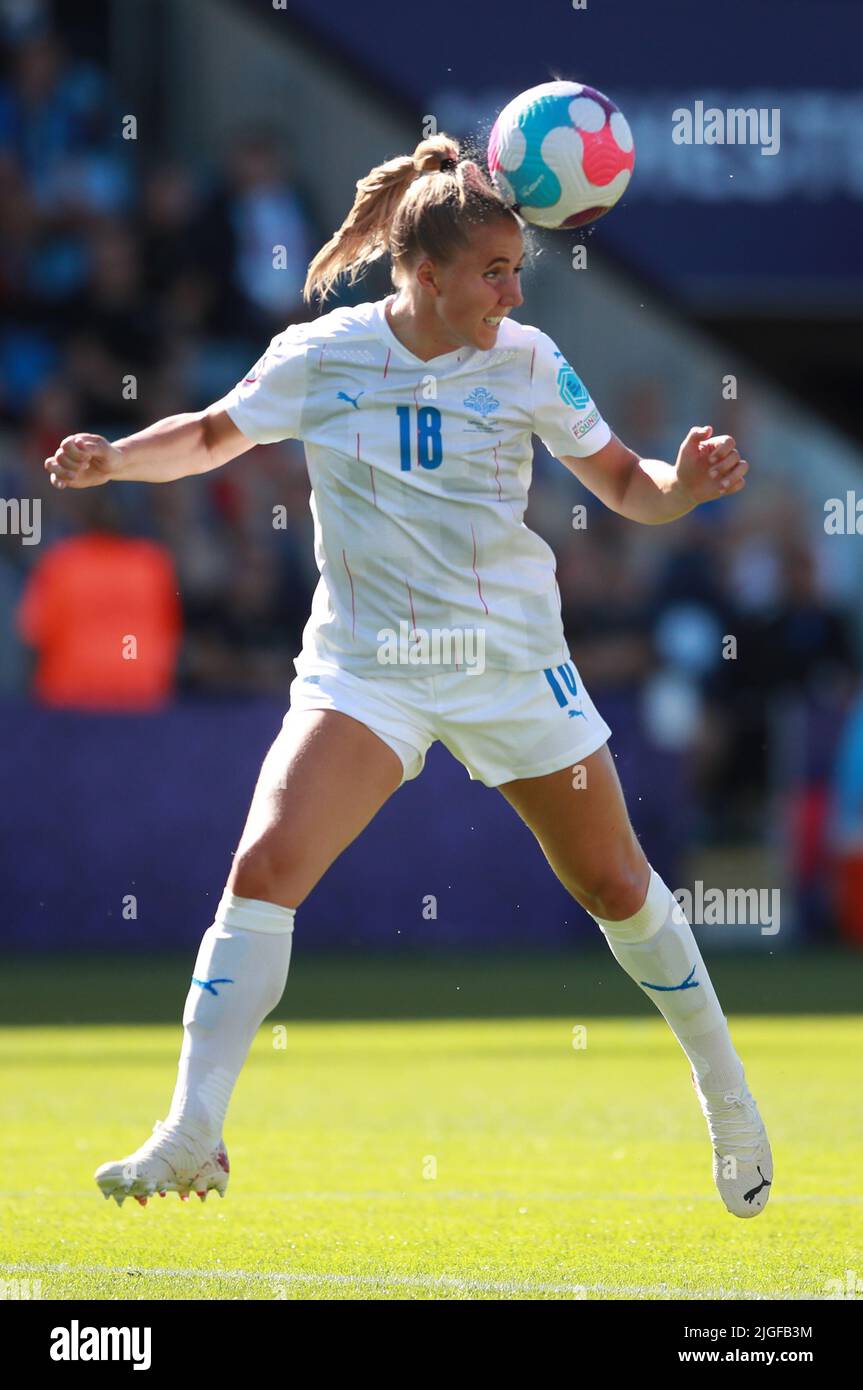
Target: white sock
<point>242,966</point>
<point>657,949</point>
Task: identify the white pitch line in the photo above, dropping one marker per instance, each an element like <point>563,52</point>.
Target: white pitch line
<point>596,1197</point>
<point>398,1280</point>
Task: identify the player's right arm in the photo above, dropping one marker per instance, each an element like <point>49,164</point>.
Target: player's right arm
<point>268,404</point>
<point>176,447</point>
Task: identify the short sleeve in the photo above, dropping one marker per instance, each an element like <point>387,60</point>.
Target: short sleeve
<point>267,405</point>
<point>564,416</point>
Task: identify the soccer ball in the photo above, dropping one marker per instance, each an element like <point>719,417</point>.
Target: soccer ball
<point>561,154</point>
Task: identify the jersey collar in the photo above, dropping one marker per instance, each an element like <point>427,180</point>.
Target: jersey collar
<point>384,331</point>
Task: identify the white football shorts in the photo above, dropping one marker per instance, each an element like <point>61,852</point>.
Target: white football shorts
<point>500,725</point>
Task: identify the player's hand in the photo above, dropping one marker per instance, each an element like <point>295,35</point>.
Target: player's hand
<point>83,460</point>
<point>709,466</point>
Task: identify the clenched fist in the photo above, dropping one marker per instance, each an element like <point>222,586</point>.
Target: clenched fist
<point>83,460</point>
<point>707,467</point>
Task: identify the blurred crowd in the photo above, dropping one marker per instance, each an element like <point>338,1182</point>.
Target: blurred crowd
<point>133,289</point>
<point>130,291</point>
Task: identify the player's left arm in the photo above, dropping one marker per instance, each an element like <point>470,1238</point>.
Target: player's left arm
<point>708,466</point>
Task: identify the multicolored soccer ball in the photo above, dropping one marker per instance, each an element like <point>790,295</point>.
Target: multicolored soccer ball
<point>561,154</point>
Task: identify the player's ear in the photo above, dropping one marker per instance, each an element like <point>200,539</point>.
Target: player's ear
<point>426,275</point>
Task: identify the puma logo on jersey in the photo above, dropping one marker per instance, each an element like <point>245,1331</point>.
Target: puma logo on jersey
<point>343,396</point>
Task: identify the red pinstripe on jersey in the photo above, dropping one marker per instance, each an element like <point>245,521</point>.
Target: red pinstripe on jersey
<point>474,568</point>
<point>411,601</point>
<point>353,601</point>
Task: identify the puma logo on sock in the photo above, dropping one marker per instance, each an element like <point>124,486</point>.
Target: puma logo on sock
<point>688,983</point>
<point>211,984</point>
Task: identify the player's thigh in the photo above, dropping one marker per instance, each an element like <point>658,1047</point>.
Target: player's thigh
<point>324,778</point>
<point>580,820</point>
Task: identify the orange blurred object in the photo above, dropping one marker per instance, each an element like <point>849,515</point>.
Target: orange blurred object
<point>103,614</point>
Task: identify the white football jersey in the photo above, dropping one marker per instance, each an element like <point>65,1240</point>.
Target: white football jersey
<point>420,474</point>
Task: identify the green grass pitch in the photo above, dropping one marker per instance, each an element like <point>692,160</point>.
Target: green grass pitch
<point>432,1158</point>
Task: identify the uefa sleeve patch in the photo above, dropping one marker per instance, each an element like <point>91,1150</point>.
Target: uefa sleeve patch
<point>572,389</point>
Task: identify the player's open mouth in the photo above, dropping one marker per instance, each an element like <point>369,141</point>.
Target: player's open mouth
<point>493,323</point>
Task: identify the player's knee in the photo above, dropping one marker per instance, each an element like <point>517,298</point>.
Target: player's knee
<point>261,871</point>
<point>617,895</point>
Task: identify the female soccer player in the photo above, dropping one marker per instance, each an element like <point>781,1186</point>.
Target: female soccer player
<point>437,616</point>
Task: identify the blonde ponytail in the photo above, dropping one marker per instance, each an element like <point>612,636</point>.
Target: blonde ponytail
<point>399,211</point>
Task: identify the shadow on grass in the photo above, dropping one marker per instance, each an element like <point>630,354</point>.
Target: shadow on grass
<point>131,989</point>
